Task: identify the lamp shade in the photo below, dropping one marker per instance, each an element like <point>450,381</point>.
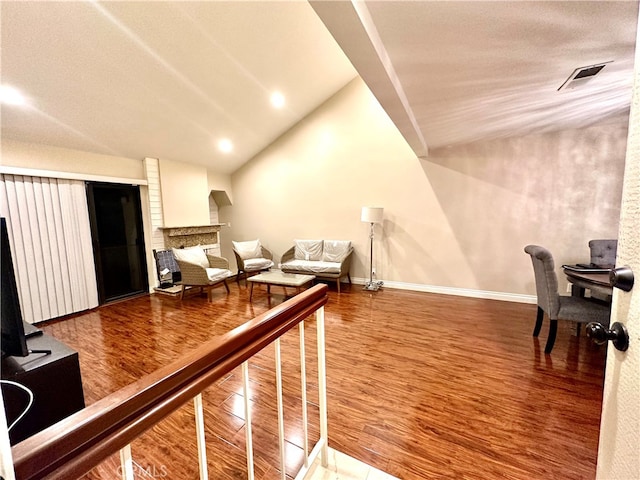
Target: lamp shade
<point>372,214</point>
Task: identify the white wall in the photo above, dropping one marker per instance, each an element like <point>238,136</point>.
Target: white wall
<point>618,452</point>
<point>459,220</point>
<point>185,194</point>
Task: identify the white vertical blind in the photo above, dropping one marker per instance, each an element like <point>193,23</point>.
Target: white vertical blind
<point>50,237</point>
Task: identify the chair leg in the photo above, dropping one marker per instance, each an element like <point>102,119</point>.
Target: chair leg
<point>338,284</point>
<point>226,285</point>
<point>539,319</point>
<point>182,292</point>
<point>551,339</point>
<point>349,278</point>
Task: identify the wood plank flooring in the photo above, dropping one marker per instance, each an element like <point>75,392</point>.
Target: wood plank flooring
<point>419,385</point>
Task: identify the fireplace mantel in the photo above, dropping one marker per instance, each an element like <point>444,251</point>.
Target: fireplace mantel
<point>188,236</point>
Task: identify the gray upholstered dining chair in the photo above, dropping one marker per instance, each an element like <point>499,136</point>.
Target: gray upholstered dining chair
<point>603,252</point>
<point>557,307</point>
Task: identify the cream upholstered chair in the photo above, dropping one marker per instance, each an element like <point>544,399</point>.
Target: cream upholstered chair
<point>251,257</point>
<point>557,307</point>
<point>199,269</point>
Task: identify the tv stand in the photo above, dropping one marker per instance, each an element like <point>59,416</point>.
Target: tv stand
<point>46,352</point>
<point>54,378</point>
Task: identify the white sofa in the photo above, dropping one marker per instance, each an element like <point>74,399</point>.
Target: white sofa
<point>326,259</point>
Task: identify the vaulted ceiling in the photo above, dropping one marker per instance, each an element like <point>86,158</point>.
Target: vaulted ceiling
<point>165,79</point>
<point>171,79</point>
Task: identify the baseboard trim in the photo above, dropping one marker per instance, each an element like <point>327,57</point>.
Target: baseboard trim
<point>461,292</point>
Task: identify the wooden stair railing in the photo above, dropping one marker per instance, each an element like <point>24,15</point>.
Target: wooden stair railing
<point>75,445</point>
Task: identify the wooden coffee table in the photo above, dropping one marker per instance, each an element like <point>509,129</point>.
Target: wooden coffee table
<point>281,279</point>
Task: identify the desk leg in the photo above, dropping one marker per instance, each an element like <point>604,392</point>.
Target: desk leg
<point>577,291</point>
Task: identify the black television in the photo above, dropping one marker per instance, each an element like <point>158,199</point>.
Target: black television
<point>13,341</point>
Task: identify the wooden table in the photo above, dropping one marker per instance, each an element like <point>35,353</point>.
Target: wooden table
<point>581,281</point>
<point>276,277</point>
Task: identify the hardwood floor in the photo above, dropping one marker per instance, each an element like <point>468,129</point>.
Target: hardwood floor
<point>419,385</point>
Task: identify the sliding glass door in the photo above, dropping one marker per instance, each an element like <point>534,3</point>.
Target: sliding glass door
<point>118,241</point>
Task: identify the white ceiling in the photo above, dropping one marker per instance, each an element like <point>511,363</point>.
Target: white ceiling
<point>165,79</point>
<point>169,79</point>
<point>452,72</point>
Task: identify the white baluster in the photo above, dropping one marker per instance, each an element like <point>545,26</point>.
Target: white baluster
<point>303,381</point>
<point>247,419</point>
<point>202,444</point>
<point>280,409</point>
<point>126,463</point>
<point>322,388</point>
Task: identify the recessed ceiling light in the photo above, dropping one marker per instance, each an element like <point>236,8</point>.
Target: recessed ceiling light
<point>225,145</point>
<point>277,99</point>
<point>11,96</point>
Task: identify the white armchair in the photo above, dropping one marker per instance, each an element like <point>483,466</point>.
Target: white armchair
<point>251,257</point>
<point>199,269</point>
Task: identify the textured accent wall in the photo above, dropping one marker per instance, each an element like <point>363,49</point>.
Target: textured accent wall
<point>619,451</point>
<point>559,190</point>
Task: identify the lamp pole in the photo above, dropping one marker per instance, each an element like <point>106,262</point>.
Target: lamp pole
<point>372,215</point>
<point>371,255</point>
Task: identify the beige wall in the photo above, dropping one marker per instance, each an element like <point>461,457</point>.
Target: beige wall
<point>459,219</point>
<point>219,181</point>
<point>45,157</point>
<point>185,194</point>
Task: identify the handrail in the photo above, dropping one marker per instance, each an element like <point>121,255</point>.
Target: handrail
<point>75,445</point>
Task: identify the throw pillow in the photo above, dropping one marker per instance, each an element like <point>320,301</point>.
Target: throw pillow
<point>335,250</point>
<point>191,254</point>
<point>248,249</point>
<point>308,249</point>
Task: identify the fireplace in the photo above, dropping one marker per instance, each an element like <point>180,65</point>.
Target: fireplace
<point>207,236</point>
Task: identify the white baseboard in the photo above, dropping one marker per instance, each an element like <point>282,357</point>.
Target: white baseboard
<point>461,292</point>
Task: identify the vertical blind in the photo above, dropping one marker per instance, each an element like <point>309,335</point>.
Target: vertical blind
<point>50,237</point>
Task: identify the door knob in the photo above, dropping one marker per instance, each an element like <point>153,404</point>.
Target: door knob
<point>622,278</point>
<point>600,334</point>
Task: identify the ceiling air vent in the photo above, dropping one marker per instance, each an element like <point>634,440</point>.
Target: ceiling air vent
<point>581,75</point>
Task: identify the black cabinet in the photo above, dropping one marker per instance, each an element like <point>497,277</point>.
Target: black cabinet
<point>54,380</point>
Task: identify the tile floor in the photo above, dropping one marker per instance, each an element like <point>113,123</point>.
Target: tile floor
<point>344,467</point>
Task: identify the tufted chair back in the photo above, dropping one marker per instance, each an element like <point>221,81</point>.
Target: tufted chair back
<point>603,252</point>
<point>546,279</point>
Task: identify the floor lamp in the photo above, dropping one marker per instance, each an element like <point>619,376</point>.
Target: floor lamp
<point>371,215</point>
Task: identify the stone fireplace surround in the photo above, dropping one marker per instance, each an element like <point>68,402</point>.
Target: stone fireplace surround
<point>178,237</point>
